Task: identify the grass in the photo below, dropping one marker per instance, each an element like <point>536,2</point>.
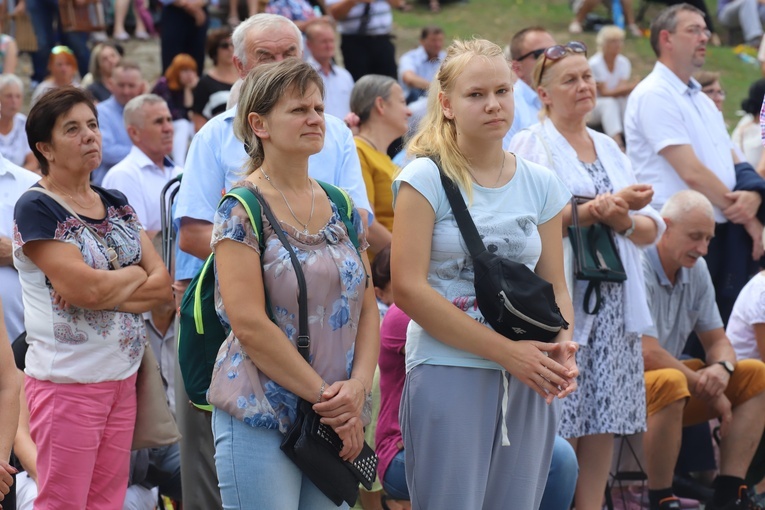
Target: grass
<point>498,20</point>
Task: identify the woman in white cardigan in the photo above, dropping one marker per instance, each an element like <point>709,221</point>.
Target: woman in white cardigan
<point>611,395</point>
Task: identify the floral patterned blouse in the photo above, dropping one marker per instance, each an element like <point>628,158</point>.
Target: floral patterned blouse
<point>336,281</point>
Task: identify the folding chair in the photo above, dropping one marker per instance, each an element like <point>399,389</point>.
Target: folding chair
<point>633,468</point>
<point>167,229</point>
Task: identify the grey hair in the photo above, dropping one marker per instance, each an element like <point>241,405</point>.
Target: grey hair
<point>11,79</point>
<point>132,114</point>
<point>684,202</point>
<point>261,91</point>
<point>667,20</point>
<point>366,91</point>
<point>259,23</point>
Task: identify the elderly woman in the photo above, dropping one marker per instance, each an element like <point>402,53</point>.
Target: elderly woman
<point>88,272</point>
<point>260,374</point>
<point>103,59</point>
<point>612,72</point>
<point>13,138</point>
<point>467,386</point>
<point>611,395</point>
<point>211,93</point>
<point>62,66</point>
<point>381,107</point>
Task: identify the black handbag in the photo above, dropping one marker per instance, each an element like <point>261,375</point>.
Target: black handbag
<point>311,445</point>
<point>596,258</point>
<point>513,299</point>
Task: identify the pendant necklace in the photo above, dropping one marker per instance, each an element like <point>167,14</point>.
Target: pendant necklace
<point>304,225</point>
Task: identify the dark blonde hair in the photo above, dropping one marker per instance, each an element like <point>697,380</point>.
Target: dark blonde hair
<point>262,89</point>
<point>436,136</point>
<point>181,62</point>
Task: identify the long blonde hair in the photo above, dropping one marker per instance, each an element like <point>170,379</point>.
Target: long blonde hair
<point>436,136</point>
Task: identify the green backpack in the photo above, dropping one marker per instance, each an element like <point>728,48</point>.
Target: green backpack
<point>200,331</point>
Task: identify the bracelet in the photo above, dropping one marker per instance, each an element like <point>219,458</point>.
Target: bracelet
<point>321,391</point>
<point>627,233</point>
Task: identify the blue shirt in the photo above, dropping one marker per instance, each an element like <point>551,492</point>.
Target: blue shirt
<point>527,107</point>
<point>417,60</point>
<point>116,143</point>
<point>216,160</point>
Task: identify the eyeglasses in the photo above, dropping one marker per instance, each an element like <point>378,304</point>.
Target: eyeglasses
<point>537,53</point>
<point>225,45</point>
<point>698,30</point>
<point>559,51</point>
<point>57,50</point>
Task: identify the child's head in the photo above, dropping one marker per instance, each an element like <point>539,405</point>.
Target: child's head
<point>381,276</point>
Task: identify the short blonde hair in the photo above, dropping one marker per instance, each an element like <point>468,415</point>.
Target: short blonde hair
<point>609,33</point>
<point>262,89</point>
<point>436,136</point>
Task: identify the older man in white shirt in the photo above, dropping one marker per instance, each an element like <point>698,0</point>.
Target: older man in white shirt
<point>525,48</point>
<point>14,181</point>
<point>676,140</point>
<point>146,169</point>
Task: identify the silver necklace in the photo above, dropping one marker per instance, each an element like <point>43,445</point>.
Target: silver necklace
<point>304,225</point>
<point>499,176</point>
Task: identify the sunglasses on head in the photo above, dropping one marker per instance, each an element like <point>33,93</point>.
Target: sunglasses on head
<point>225,45</point>
<point>57,50</point>
<point>557,52</point>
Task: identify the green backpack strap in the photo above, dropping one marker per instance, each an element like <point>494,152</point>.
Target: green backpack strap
<point>343,202</point>
<point>251,204</point>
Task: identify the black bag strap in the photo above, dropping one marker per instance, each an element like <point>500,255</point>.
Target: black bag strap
<point>303,339</point>
<point>462,215</point>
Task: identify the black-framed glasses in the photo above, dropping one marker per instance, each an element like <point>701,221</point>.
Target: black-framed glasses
<point>559,51</point>
<point>537,53</point>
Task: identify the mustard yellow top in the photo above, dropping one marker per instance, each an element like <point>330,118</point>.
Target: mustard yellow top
<point>378,171</point>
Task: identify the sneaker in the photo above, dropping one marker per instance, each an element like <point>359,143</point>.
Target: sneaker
<point>671,503</point>
<point>743,502</point>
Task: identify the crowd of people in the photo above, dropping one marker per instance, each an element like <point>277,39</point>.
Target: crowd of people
<point>546,143</point>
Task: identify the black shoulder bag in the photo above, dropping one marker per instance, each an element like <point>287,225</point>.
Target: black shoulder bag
<point>596,258</point>
<point>311,445</point>
<point>513,299</point>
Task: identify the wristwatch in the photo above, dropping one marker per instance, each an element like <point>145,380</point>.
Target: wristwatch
<point>627,233</point>
<point>728,366</point>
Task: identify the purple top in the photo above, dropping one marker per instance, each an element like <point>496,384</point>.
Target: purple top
<point>388,439</point>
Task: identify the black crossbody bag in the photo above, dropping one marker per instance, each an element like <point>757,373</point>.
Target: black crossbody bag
<point>311,445</point>
<point>513,299</point>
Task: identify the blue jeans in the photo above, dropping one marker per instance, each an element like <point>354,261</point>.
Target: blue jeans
<point>43,13</point>
<point>561,480</point>
<point>394,481</point>
<point>254,473</point>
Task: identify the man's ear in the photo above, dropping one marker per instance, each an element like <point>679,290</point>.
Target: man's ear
<point>258,124</point>
<point>240,67</point>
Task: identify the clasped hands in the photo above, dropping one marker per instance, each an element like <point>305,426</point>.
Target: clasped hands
<point>547,368</point>
<point>341,407</point>
<point>613,209</point>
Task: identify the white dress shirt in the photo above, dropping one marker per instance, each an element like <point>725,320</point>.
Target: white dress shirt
<point>141,180</point>
<point>14,181</point>
<point>663,111</point>
<point>338,85</point>
<point>527,107</point>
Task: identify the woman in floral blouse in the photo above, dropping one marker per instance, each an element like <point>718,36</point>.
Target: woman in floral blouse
<point>259,375</point>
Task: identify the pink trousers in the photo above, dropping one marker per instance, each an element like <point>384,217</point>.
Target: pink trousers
<point>83,434</point>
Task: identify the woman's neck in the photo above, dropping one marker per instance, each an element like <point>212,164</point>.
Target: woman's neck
<point>286,172</point>
<point>570,126</point>
<point>225,72</point>
<point>378,137</point>
<point>610,60</point>
<point>68,183</point>
<point>483,155</point>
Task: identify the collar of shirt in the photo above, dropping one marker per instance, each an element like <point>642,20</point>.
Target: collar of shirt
<point>528,94</point>
<point>423,55</point>
<point>319,69</point>
<point>652,252</point>
<point>143,161</point>
<point>666,74</point>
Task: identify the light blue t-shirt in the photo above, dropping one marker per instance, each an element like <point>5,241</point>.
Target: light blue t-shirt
<point>216,160</point>
<point>115,143</point>
<point>507,219</point>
